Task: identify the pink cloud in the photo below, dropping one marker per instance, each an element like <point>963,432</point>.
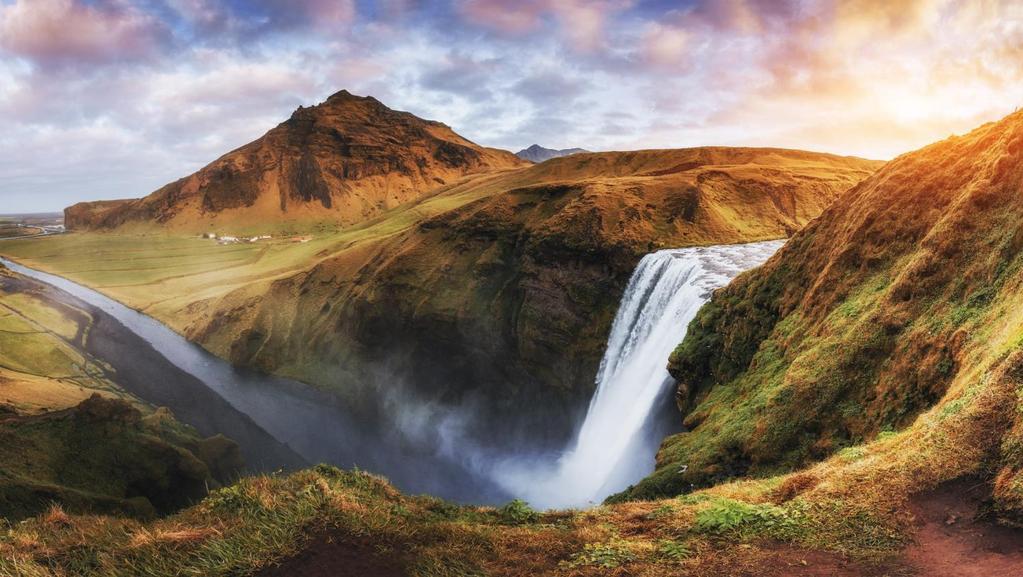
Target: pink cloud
<point>329,13</point>
<point>580,22</point>
<point>505,17</point>
<point>61,31</point>
<point>664,45</point>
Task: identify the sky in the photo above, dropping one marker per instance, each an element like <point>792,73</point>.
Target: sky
<point>108,99</point>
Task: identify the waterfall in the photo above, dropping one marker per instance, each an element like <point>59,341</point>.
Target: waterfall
<point>615,446</point>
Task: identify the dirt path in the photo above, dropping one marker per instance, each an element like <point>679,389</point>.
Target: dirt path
<point>329,555</point>
<point>951,541</point>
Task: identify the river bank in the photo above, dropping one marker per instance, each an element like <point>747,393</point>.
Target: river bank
<point>279,423</point>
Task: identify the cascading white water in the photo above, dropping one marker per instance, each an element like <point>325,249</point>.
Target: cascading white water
<point>614,447</point>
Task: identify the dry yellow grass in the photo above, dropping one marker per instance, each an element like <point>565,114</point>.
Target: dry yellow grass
<point>42,364</point>
<point>163,536</point>
<point>36,394</point>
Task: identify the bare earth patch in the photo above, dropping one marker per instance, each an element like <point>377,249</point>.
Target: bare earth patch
<point>330,555</point>
<point>954,539</point>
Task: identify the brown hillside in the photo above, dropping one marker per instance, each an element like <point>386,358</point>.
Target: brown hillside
<point>894,316</point>
<point>344,160</point>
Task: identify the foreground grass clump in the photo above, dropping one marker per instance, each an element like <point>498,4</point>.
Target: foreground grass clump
<point>610,555</point>
<point>236,529</point>
<point>239,529</point>
<point>261,521</point>
<point>518,512</point>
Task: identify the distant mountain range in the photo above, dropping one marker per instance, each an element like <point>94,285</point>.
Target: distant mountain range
<point>537,153</point>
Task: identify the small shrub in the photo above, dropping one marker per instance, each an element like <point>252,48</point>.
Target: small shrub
<point>673,551</point>
<point>443,510</point>
<point>729,516</point>
<point>518,512</point>
<point>660,513</point>
<point>852,454</point>
<point>886,434</point>
<point>329,471</point>
<point>230,499</point>
<point>610,555</point>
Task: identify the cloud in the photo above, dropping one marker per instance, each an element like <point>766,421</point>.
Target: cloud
<point>551,86</point>
<point>580,22</point>
<point>133,93</point>
<point>508,18</point>
<point>64,32</point>
<point>664,46</point>
<point>462,75</point>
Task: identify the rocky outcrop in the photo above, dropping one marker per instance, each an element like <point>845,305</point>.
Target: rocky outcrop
<point>96,214</point>
<point>345,160</point>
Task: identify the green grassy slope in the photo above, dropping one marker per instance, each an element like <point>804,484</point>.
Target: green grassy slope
<point>893,318</point>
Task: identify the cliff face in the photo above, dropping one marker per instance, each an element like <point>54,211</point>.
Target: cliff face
<point>90,215</point>
<point>344,160</point>
<point>509,296</point>
<point>893,315</point>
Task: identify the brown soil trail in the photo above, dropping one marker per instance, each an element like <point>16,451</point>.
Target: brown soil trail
<point>331,556</point>
<point>955,539</point>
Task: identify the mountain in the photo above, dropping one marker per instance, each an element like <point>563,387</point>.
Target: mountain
<point>510,296</point>
<point>537,153</point>
<point>345,160</point>
<point>887,334</point>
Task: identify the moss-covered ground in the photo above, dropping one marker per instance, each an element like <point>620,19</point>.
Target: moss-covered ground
<point>264,520</point>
